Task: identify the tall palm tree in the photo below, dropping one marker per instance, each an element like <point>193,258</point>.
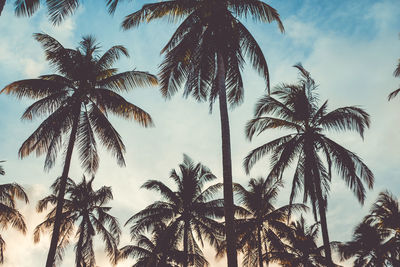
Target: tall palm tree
<point>77,101</point>
<point>296,109</point>
<point>301,249</point>
<point>9,215</point>
<point>160,250</point>
<point>188,210</point>
<point>370,247</point>
<point>57,10</point>
<point>262,225</point>
<point>85,213</point>
<point>207,53</point>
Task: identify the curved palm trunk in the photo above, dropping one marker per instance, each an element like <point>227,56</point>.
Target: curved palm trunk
<point>324,227</point>
<point>226,165</point>
<point>266,254</point>
<point>259,247</point>
<point>186,244</point>
<point>61,193</point>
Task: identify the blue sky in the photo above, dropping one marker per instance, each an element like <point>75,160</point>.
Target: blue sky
<point>350,47</point>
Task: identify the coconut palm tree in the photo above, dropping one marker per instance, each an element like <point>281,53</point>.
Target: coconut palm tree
<point>76,101</point>
<point>189,210</point>
<point>370,246</point>
<point>2,172</point>
<point>294,107</point>
<point>85,214</point>
<point>9,215</point>
<point>206,53</point>
<point>57,10</point>
<point>262,226</point>
<point>300,249</point>
<point>160,250</point>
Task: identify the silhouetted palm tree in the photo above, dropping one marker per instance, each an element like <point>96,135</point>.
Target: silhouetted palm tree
<point>77,101</point>
<point>161,250</point>
<point>207,54</point>
<point>2,172</point>
<point>84,214</point>
<point>300,249</point>
<point>262,225</point>
<point>370,247</point>
<point>396,73</point>
<point>9,215</point>
<point>189,210</point>
<point>57,10</point>
<point>296,109</point>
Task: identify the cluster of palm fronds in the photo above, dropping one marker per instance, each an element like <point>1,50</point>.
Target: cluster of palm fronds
<point>376,240</point>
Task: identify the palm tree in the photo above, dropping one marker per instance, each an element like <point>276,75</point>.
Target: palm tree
<point>77,101</point>
<point>262,225</point>
<point>85,208</point>
<point>9,215</point>
<point>2,172</point>
<point>207,54</point>
<point>161,250</point>
<point>300,248</point>
<point>370,247</point>
<point>57,10</point>
<point>188,210</point>
<point>296,109</point>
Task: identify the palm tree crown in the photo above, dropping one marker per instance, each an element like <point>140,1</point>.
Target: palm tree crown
<point>85,214</point>
<point>57,10</point>
<point>160,250</point>
<point>85,91</point>
<point>300,248</point>
<point>262,224</point>
<point>296,109</point>
<point>188,210</point>
<point>9,215</point>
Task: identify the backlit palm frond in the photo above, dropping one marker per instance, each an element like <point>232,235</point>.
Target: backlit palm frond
<point>33,88</point>
<point>125,81</point>
<point>173,10</point>
<point>346,118</point>
<point>26,7</point>
<point>87,144</point>
<point>112,55</point>
<point>257,10</point>
<point>107,134</point>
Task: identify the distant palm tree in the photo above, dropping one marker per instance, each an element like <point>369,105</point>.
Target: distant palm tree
<point>58,10</point>
<point>206,53</point>
<point>161,250</point>
<point>189,210</point>
<point>77,101</point>
<point>9,215</point>
<point>370,247</point>
<point>301,249</point>
<point>2,172</point>
<point>297,110</point>
<point>262,225</point>
<point>396,73</point>
<point>85,209</point>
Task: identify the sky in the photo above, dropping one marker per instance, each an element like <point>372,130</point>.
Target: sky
<point>350,47</point>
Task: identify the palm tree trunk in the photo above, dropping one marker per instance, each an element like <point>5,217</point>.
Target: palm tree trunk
<point>79,247</point>
<point>324,227</point>
<point>186,243</point>
<point>226,165</point>
<point>266,254</point>
<point>259,247</point>
<point>61,193</point>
